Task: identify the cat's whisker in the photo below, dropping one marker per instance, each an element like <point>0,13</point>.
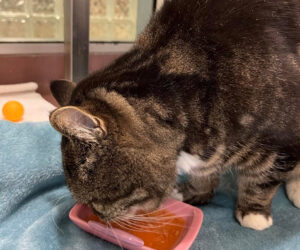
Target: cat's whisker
<point>55,224</point>
<point>152,228</point>
<point>59,200</point>
<point>113,232</point>
<point>135,223</point>
<point>152,220</point>
<point>120,224</point>
<point>56,198</point>
<point>159,224</point>
<point>138,227</point>
<point>133,227</point>
<point>156,221</point>
<point>158,210</point>
<point>158,214</point>
<point>67,209</point>
<point>157,217</point>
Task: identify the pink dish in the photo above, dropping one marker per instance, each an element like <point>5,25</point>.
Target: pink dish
<point>192,216</point>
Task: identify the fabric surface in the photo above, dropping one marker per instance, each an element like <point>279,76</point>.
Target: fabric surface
<point>35,202</point>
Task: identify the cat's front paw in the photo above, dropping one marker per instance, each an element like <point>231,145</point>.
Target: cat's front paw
<point>254,221</point>
<point>198,199</point>
<point>197,191</point>
<point>176,195</point>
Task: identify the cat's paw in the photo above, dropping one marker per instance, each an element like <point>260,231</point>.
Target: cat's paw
<point>254,221</point>
<point>198,199</point>
<point>176,195</point>
<point>293,191</point>
<point>195,195</point>
<point>187,162</point>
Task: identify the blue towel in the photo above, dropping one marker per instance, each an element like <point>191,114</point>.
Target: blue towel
<point>35,202</point>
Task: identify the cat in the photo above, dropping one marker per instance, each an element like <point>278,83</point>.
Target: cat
<point>216,83</point>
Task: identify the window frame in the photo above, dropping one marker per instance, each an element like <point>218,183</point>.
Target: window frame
<point>58,48</point>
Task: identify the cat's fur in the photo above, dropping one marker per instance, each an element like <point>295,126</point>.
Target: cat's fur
<point>217,79</point>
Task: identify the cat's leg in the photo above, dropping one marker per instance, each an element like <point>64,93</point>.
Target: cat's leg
<point>198,190</point>
<point>194,187</point>
<point>293,186</point>
<point>257,187</point>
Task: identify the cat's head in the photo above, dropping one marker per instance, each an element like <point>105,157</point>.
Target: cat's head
<point>110,161</point>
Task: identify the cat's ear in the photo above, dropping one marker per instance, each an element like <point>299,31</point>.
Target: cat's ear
<point>62,91</point>
<point>76,123</point>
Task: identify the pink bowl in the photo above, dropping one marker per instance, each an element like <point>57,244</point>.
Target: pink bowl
<point>192,216</point>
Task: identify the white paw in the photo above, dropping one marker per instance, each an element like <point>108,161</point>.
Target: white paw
<point>187,162</point>
<point>293,191</point>
<point>255,221</point>
<point>176,195</point>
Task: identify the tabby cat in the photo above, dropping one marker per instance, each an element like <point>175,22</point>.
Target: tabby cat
<point>216,83</point>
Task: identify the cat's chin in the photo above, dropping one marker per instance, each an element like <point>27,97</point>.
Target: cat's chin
<point>146,207</point>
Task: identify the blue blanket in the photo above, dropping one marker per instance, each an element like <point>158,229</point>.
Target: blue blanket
<point>34,202</point>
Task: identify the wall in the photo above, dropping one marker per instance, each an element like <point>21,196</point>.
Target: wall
<point>43,68</point>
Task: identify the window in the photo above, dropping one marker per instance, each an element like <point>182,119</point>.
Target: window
<point>42,20</point>
<point>31,20</point>
<point>113,20</point>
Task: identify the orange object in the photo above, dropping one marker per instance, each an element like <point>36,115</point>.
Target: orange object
<point>13,111</point>
<point>161,229</point>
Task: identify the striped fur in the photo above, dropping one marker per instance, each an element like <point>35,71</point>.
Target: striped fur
<point>216,79</point>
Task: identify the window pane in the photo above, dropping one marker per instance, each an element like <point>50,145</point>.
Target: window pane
<point>113,20</point>
<point>31,20</point>
<point>42,20</point>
